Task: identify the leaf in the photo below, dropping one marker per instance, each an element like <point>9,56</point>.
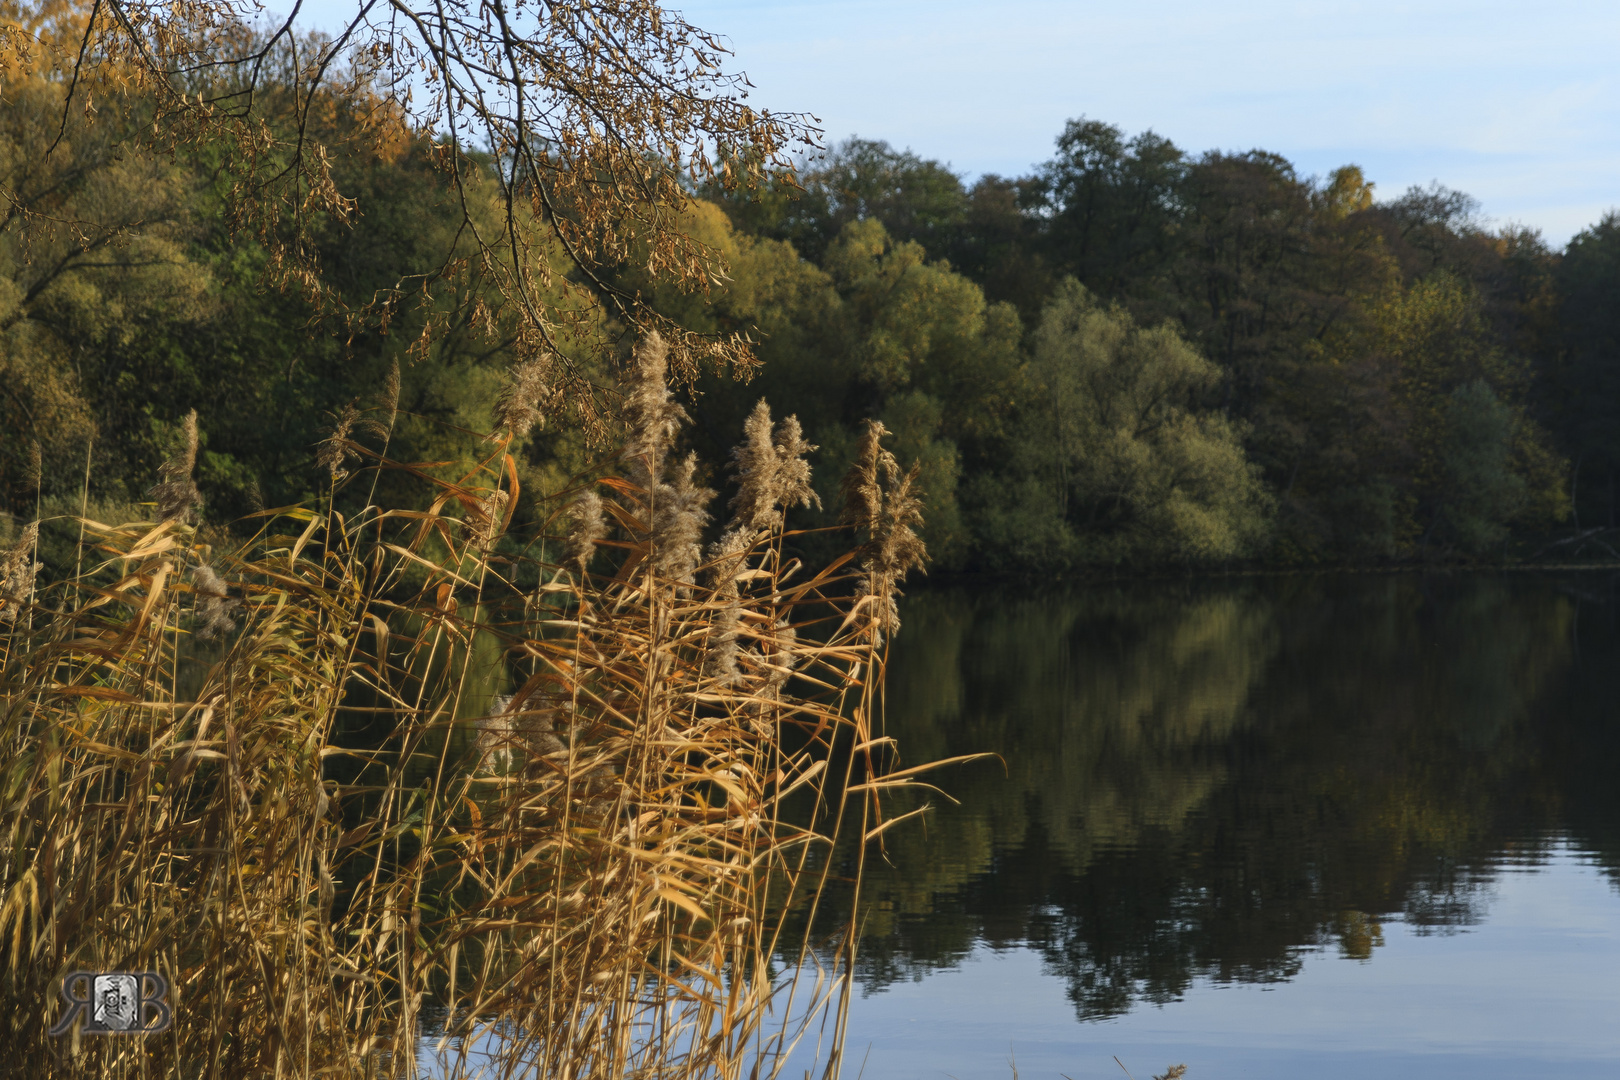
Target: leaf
<point>99,693</point>
<point>356,834</point>
<point>452,575</point>
<point>380,628</point>
<point>511,503</point>
<point>682,901</point>
<point>309,530</point>
<point>918,770</point>
<point>887,825</point>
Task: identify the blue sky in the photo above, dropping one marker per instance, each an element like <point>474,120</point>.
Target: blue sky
<point>1517,104</point>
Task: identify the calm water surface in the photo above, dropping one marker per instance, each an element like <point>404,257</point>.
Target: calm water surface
<point>1326,826</point>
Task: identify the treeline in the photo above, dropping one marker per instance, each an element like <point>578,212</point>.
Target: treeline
<point>1137,355</point>
<point>1133,356</point>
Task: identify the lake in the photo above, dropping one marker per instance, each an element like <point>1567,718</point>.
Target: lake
<point>1325,826</point>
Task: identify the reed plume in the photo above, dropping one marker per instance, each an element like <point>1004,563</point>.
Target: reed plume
<point>883,502</point>
<point>587,528</point>
<point>176,493</point>
<point>727,559</point>
<point>773,474</point>
<point>17,572</point>
<point>518,408</point>
<point>33,469</point>
<point>214,605</point>
<point>335,453</point>
<point>862,485</point>
<point>793,466</point>
<point>390,395</point>
<point>651,412</point>
<point>488,520</point>
<point>679,512</point>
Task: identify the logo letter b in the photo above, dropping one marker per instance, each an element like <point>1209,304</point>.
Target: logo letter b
<point>153,989</point>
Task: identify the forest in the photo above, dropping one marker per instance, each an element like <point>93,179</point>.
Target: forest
<point>1135,357</point>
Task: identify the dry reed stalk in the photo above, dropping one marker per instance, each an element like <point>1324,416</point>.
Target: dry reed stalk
<point>308,830</point>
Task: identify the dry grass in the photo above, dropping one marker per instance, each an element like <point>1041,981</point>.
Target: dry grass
<point>365,767</point>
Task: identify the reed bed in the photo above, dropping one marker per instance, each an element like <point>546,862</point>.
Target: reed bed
<point>397,782</point>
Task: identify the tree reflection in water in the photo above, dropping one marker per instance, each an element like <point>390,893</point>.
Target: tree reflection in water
<point>1203,780</point>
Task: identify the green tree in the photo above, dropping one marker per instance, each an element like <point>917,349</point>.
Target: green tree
<point>1111,205</point>
<point>1002,244</point>
<point>94,262</point>
<point>1462,398</point>
<point>878,330</point>
<point>1137,466</point>
<point>914,198</point>
<point>131,292</point>
<point>1587,378</point>
<point>1482,493</point>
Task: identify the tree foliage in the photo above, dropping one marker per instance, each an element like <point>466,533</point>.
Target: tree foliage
<point>1337,339</point>
<point>579,121</point>
<point>1138,465</point>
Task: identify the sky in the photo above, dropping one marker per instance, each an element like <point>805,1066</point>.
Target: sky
<point>1517,104</point>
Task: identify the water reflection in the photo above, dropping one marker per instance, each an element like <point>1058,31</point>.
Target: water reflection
<point>1204,780</point>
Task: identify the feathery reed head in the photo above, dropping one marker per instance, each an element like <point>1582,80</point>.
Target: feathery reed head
<point>213,604</point>
<point>653,415</point>
<point>772,474</point>
<point>679,514</point>
<point>884,503</point>
<point>587,528</point>
<point>651,357</point>
<point>488,519</point>
<point>518,408</point>
<point>862,486</point>
<point>176,494</point>
<point>727,559</point>
<point>754,459</point>
<point>780,653</point>
<point>898,549</point>
<point>333,453</point>
<point>33,470</point>
<point>17,571</point>
<point>793,466</point>
<point>390,399</point>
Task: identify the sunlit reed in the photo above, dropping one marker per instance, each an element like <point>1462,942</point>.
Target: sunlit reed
<point>384,776</point>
